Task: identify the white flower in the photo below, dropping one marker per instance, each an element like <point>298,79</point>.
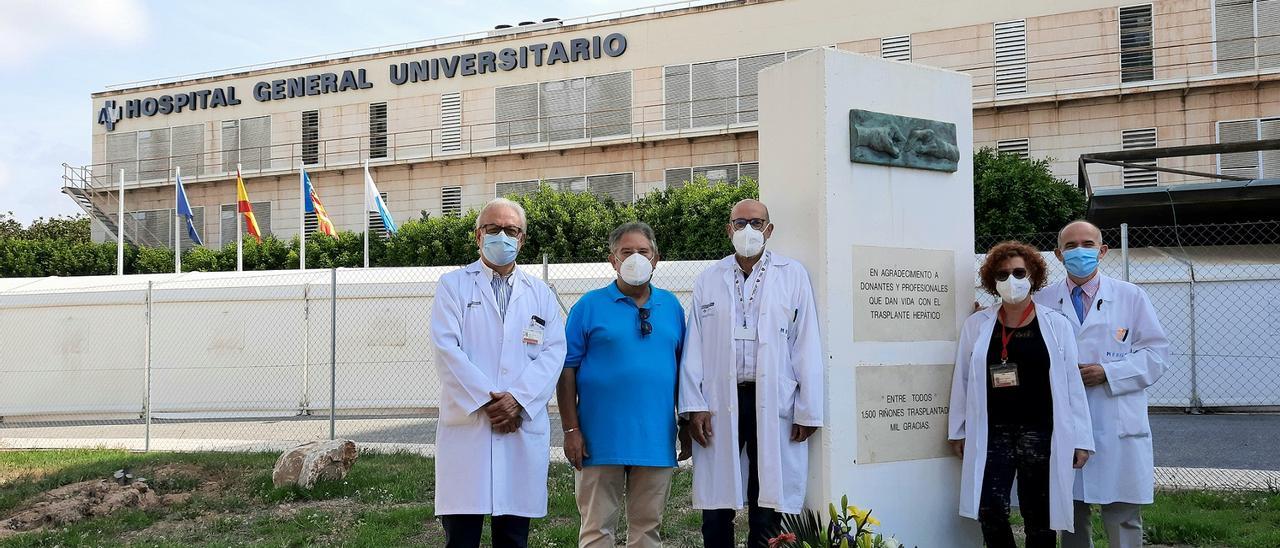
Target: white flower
<point>892,543</point>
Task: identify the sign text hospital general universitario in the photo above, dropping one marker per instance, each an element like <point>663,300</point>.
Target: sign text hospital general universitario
<point>426,70</point>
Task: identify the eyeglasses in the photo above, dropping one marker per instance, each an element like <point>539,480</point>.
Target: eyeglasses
<point>512,231</point>
<point>758,224</point>
<point>625,253</point>
<point>1018,273</point>
<point>646,328</point>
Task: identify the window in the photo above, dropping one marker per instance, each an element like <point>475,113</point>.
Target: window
<point>378,130</point>
<point>154,227</point>
<point>310,223</point>
<point>715,92</point>
<point>451,122</point>
<point>1247,34</point>
<point>229,215</point>
<point>618,187</point>
<point>727,173</point>
<point>187,148</point>
<point>577,108</point>
<point>608,106</point>
<point>1138,139</point>
<point>230,145</point>
<point>561,110</point>
<point>1240,164</point>
<point>678,177</point>
<point>376,226</point>
<point>1018,147</point>
<point>255,143</point>
<point>896,48</point>
<point>749,84</point>
<point>122,153</point>
<point>151,228</point>
<point>1011,57</point>
<point>676,91</point>
<point>451,200</point>
<point>516,114</point>
<point>310,137</point>
<point>1136,60</point>
<point>153,154</point>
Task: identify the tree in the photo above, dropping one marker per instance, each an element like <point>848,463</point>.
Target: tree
<point>689,220</point>
<point>1014,195</point>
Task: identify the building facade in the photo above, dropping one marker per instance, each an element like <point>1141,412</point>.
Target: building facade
<point>644,100</point>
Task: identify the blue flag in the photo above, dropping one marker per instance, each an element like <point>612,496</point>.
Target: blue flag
<point>184,209</point>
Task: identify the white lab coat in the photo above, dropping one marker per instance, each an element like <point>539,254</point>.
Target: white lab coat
<point>1123,469</point>
<point>789,385</point>
<point>476,352</point>
<point>968,417</point>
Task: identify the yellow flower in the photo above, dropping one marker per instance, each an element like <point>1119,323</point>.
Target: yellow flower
<point>862,517</point>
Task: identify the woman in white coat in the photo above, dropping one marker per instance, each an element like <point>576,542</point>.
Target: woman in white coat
<point>1018,407</point>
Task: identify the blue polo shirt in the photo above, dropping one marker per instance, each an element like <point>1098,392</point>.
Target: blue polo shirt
<point>626,381</point>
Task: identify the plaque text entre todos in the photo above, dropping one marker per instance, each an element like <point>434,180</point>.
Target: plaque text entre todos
<point>902,412</point>
<point>903,294</point>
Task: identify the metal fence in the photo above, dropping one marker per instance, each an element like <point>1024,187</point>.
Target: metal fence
<point>265,360</point>
<point>1216,291</point>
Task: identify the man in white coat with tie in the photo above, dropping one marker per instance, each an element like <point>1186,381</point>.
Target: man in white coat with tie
<point>499,349</point>
<point>751,383</point>
<point>1123,350</point>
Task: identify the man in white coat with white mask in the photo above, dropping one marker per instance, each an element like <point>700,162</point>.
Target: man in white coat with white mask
<point>499,348</point>
<point>751,383</point>
<point>1123,350</point>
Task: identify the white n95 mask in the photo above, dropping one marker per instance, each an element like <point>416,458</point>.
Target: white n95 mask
<point>636,270</point>
<point>1014,290</point>
<point>748,242</point>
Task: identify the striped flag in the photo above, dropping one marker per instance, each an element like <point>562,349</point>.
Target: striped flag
<point>315,206</point>
<point>246,209</point>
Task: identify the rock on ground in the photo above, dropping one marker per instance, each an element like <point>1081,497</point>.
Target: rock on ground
<point>318,460</point>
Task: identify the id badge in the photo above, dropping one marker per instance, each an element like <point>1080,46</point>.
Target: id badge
<point>533,333</point>
<point>744,333</point>
<point>1004,375</point>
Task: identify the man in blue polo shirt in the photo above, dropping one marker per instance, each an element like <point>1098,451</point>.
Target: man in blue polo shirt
<point>617,394</point>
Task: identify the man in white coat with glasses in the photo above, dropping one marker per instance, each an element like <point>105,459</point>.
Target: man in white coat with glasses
<point>499,349</point>
<point>751,383</point>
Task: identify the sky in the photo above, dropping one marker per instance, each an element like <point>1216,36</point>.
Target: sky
<point>55,53</point>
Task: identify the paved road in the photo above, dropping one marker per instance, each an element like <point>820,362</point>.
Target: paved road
<point>1242,442</point>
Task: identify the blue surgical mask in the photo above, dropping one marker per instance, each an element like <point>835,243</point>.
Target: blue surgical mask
<point>1081,262</point>
<point>500,249</point>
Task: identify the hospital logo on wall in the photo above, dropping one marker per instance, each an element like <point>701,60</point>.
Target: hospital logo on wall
<point>109,114</point>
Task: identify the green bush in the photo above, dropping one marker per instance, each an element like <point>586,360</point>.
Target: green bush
<point>567,226</point>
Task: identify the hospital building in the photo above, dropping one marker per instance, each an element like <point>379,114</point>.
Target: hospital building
<point>626,103</point>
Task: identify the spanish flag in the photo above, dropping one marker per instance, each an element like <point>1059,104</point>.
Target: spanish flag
<point>313,205</point>
<point>246,209</point>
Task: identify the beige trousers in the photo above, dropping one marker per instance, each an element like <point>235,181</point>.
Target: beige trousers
<point>599,490</point>
<point>1122,521</point>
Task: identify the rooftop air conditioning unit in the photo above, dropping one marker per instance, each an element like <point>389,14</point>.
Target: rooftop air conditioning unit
<point>526,26</point>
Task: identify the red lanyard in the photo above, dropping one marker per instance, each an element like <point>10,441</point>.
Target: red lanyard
<point>1005,334</point>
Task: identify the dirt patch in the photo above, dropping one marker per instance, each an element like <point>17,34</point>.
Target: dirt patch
<point>79,501</point>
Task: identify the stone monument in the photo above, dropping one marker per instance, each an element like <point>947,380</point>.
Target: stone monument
<point>867,169</point>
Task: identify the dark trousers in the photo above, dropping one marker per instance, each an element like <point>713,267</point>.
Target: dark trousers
<point>1014,450</point>
<point>762,523</point>
<point>464,531</point>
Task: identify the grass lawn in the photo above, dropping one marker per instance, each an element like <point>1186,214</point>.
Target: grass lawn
<point>386,501</point>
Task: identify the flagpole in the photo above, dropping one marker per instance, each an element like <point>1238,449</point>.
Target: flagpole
<point>366,213</point>
<point>239,228</point>
<point>120,230</point>
<point>302,220</point>
<point>177,236</point>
